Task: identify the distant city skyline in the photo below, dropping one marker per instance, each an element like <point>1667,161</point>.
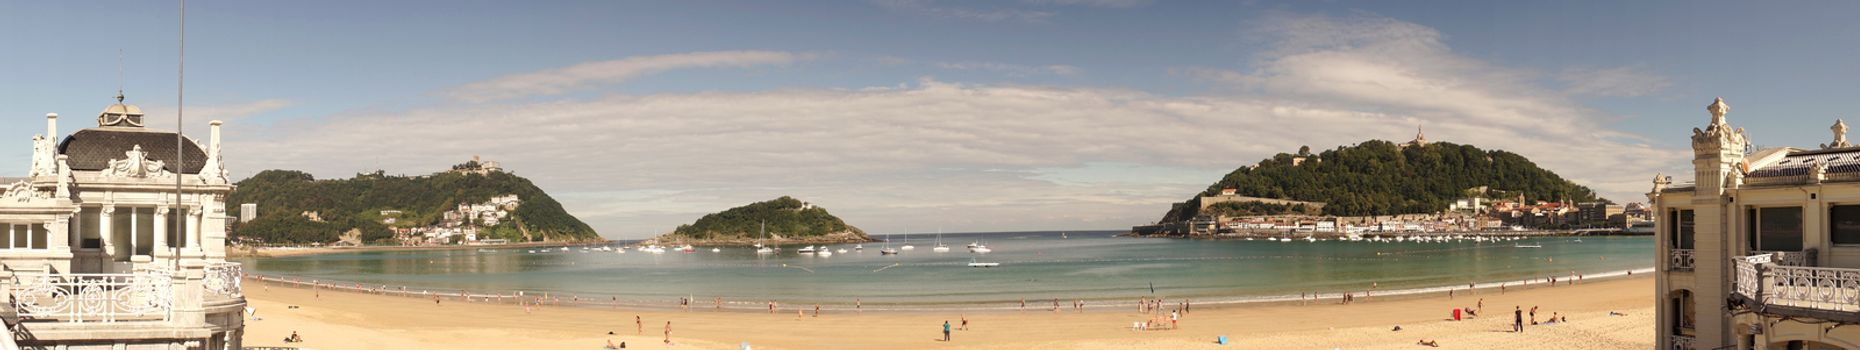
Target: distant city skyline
<point>920,114</point>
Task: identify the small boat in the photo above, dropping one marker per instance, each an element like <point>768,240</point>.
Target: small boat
<point>888,251</point>
<point>716,250</point>
<point>805,250</point>
<point>973,244</point>
<point>842,251</point>
<point>908,247</point>
<point>688,249</point>
<point>765,250</point>
<point>824,252</point>
<point>565,249</point>
<point>1521,245</point>
<point>940,247</point>
<point>1062,235</point>
<point>858,247</point>
<point>974,263</point>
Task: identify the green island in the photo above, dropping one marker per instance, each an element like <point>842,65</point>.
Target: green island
<point>450,207</point>
<point>1379,177</point>
<point>782,220</point>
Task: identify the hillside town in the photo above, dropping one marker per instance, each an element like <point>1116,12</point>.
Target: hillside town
<point>1472,214</point>
<point>461,225</point>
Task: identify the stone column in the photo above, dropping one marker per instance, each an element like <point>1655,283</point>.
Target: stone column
<point>194,218</point>
<point>106,230</point>
<point>58,242</point>
<point>161,231</point>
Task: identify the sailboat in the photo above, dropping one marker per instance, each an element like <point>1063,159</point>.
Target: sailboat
<point>759,248</point>
<point>979,248</point>
<point>908,247</point>
<point>940,247</point>
<point>887,250</point>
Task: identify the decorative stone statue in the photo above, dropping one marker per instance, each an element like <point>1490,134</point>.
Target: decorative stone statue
<point>136,164</point>
<point>1840,135</point>
<point>1817,172</point>
<point>41,156</point>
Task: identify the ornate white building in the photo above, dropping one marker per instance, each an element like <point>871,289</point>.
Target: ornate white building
<point>98,253</point>
<point>1762,249</point>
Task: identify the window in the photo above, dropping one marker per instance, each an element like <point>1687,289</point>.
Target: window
<point>1682,229</point>
<point>1844,224</point>
<point>90,231</point>
<point>1779,229</point>
<point>24,236</point>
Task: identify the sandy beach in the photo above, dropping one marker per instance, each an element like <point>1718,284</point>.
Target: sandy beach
<point>345,320</point>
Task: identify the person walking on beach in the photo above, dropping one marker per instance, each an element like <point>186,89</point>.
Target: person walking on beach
<point>1517,319</point>
<point>639,325</point>
<point>945,330</point>
<point>816,310</point>
<point>859,305</point>
<point>965,322</point>
<point>668,332</point>
<point>1533,315</point>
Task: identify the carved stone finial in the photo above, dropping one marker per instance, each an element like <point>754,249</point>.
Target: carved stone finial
<point>1718,109</point>
<point>1817,172</point>
<point>1840,135</point>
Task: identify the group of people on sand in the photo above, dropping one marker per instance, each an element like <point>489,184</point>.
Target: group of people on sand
<point>1517,318</point>
<point>946,327</point>
<point>639,325</point>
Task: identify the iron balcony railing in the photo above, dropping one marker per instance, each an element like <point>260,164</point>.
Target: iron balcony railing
<point>1680,260</point>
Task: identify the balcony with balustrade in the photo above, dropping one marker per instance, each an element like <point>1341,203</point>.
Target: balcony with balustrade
<point>201,300</point>
<point>1781,285</point>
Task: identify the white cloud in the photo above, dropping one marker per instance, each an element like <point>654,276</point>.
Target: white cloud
<point>1618,81</point>
<point>1009,69</point>
<point>982,157</point>
<point>931,8</point>
<point>560,80</point>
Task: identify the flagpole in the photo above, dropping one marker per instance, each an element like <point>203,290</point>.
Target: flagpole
<point>180,164</point>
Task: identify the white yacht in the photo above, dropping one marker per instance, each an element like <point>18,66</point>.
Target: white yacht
<point>940,247</point>
<point>974,263</point>
<point>805,250</point>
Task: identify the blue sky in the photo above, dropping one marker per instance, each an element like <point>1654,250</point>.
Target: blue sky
<point>918,114</point>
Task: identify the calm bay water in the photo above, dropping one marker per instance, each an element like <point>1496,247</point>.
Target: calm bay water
<point>1034,265</point>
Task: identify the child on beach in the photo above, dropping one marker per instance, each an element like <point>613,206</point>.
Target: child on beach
<point>965,322</point>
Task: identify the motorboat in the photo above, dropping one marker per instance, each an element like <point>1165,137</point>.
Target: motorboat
<point>824,252</point>
<point>974,263</point>
<point>1521,245</point>
<point>805,250</point>
<point>716,250</point>
<point>841,251</point>
<point>888,251</point>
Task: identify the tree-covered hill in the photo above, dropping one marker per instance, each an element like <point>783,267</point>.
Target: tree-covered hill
<point>283,195</point>
<point>1384,178</point>
<point>785,217</point>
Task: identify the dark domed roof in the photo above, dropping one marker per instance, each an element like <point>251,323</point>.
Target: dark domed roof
<point>92,149</point>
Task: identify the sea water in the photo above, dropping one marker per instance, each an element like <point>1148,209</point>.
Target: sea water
<point>1035,266</point>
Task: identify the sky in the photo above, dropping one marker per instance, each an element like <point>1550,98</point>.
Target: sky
<point>925,115</point>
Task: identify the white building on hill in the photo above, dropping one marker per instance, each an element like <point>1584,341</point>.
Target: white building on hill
<point>99,253</point>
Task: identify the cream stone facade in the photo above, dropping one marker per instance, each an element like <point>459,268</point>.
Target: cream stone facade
<point>99,253</point>
<point>1762,249</point>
